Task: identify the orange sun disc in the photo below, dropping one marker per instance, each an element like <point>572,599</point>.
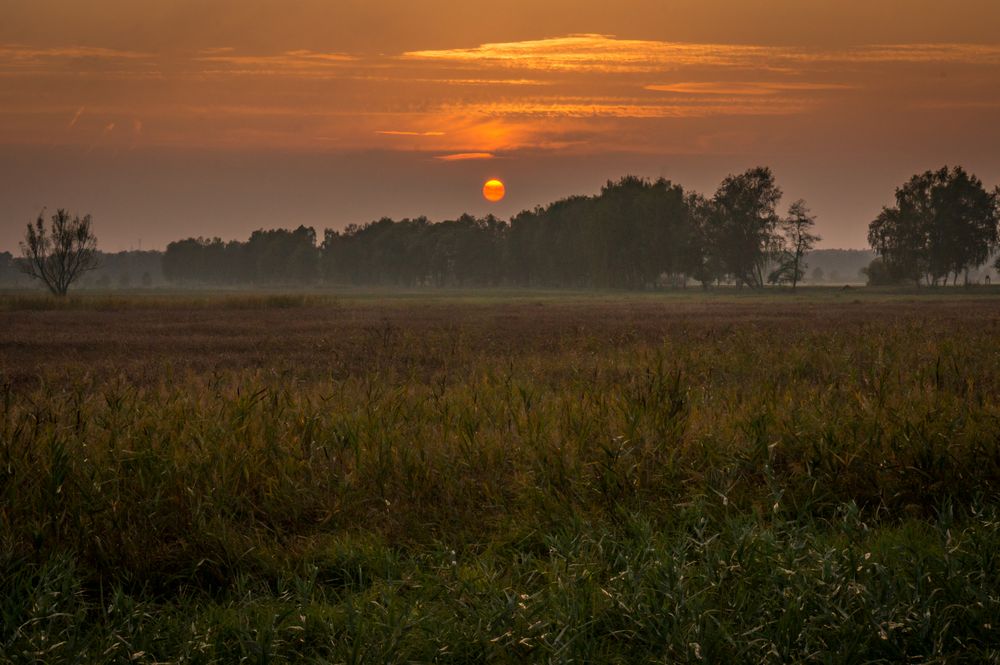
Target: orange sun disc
<point>494,190</point>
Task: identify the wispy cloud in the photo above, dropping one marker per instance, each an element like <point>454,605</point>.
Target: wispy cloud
<point>959,105</point>
<point>751,88</point>
<point>288,58</point>
<point>606,53</point>
<point>584,107</point>
<point>484,81</point>
<point>464,156</point>
<point>27,62</point>
<point>21,53</point>
<point>603,53</point>
<point>289,63</point>
<point>315,56</point>
<point>985,54</point>
<point>399,132</point>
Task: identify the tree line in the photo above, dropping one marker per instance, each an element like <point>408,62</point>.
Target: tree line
<point>276,256</point>
<point>636,233</point>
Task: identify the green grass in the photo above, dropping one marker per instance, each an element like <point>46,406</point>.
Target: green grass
<point>494,485</point>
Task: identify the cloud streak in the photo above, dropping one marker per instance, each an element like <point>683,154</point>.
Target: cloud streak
<point>21,53</point>
<point>605,53</point>
<point>295,63</point>
<point>746,88</point>
<point>465,156</point>
<point>583,107</point>
<point>600,53</point>
<point>399,132</point>
<point>972,54</point>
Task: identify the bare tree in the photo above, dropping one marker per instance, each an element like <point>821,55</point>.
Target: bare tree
<point>59,254</point>
<point>798,240</point>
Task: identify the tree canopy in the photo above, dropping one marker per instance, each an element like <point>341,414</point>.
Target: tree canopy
<point>944,223</point>
<point>272,257</point>
<point>742,223</point>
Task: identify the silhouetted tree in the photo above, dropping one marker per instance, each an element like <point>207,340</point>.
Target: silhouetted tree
<point>280,256</point>
<point>8,267</point>
<point>60,253</point>
<point>797,240</point>
<point>645,228</point>
<point>878,274</point>
<point>996,212</point>
<point>703,262</point>
<point>633,234</point>
<point>944,223</point>
<point>276,256</point>
<point>200,260</point>
<point>741,226</point>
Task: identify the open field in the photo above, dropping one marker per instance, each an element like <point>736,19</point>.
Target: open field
<point>498,477</point>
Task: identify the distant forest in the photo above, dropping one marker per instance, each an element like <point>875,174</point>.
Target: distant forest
<point>116,270</point>
<point>635,234</point>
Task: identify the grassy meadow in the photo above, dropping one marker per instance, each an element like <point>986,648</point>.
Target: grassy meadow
<point>368,477</point>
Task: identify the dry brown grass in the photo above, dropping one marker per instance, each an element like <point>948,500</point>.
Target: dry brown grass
<point>314,341</point>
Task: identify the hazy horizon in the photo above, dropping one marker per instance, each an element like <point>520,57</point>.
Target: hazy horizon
<point>168,120</point>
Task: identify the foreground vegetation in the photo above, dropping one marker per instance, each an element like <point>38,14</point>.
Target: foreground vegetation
<point>294,479</point>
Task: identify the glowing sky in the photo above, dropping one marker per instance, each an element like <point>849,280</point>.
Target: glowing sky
<point>171,118</point>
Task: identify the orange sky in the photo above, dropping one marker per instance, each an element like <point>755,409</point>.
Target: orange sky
<point>170,118</point>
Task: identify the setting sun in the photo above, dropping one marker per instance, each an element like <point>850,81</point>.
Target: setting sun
<point>494,190</point>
